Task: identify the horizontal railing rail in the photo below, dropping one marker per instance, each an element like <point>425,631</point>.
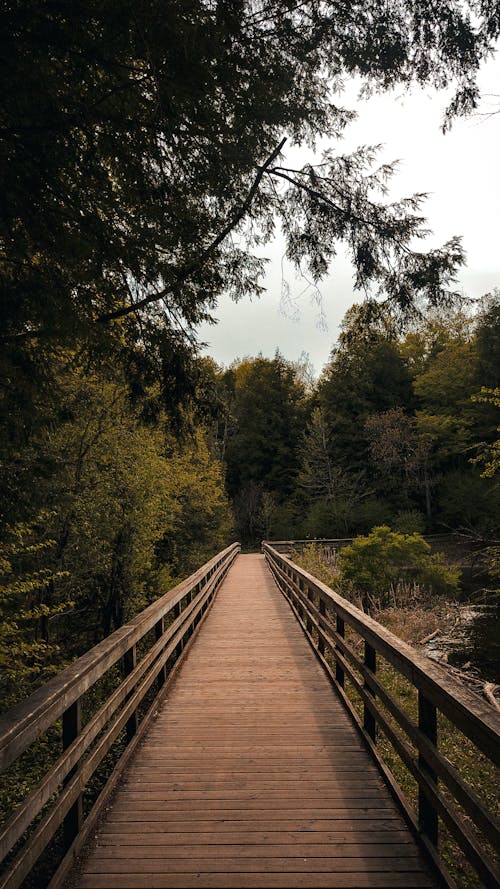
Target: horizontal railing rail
<point>336,543</point>
<point>287,546</point>
<point>173,619</point>
<point>325,615</point>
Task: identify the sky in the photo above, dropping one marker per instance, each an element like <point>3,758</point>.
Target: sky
<point>460,172</point>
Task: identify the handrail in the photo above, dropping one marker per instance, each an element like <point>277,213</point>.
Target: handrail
<point>85,747</point>
<point>286,546</point>
<point>313,602</point>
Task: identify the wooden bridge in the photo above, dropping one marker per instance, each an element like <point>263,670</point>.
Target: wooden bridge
<point>236,763</point>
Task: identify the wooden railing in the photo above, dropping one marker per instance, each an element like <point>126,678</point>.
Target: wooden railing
<point>288,546</point>
<point>336,543</point>
<point>444,795</point>
<point>160,633</point>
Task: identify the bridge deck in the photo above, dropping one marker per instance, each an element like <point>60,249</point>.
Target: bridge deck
<point>252,775</point>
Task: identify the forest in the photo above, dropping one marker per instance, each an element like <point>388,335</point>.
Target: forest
<point>146,174</point>
<point>142,173</point>
<point>399,429</point>
<point>124,498</point>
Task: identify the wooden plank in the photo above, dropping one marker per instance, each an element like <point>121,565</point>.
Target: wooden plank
<point>356,811</point>
<point>337,864</point>
<point>303,785</point>
<point>291,802</point>
<point>256,881</point>
<point>366,831</point>
<point>225,799</point>
<point>312,850</point>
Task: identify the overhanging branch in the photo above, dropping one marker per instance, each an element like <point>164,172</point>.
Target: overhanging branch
<point>200,260</point>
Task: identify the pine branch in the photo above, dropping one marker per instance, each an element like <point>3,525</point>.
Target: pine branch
<point>196,264</point>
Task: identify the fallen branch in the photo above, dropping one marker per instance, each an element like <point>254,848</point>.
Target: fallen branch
<point>467,677</point>
<point>428,638</point>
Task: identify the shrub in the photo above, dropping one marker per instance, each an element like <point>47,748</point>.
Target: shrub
<point>410,521</point>
<point>374,566</point>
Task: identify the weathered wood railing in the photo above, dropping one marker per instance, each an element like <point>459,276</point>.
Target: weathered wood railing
<point>325,616</point>
<point>170,621</point>
<point>328,543</point>
<point>336,543</point>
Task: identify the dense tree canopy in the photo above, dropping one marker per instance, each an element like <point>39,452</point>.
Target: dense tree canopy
<point>397,430</point>
<point>137,136</point>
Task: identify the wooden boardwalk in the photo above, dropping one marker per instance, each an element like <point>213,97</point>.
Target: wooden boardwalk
<point>253,774</point>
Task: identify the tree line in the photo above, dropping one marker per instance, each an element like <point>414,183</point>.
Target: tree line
<point>399,429</point>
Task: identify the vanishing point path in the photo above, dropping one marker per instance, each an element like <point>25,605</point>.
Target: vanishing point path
<point>253,774</point>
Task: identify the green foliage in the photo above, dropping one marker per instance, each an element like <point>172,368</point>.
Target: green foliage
<point>409,522</point>
<point>266,409</point>
<point>490,453</point>
<point>373,565</point>
<point>136,138</point>
<point>326,518</point>
<point>314,559</point>
<point>386,436</point>
<point>123,497</point>
<point>366,375</point>
<point>198,510</point>
<point>468,501</point>
<point>26,657</point>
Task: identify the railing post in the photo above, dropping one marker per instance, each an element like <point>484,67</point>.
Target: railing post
<point>300,607</point>
<point>427,815</point>
<point>310,597</point>
<point>304,588</point>
<point>369,722</point>
<point>339,671</point>
<point>129,664</point>
<point>159,631</point>
<point>176,611</point>
<point>189,598</point>
<point>322,611</point>
<point>71,727</point>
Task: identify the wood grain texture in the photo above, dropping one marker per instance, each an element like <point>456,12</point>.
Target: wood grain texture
<point>252,774</point>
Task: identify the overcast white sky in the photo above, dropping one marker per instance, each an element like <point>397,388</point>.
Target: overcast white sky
<point>459,170</point>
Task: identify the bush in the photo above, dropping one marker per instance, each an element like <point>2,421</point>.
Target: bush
<point>410,521</point>
<point>374,566</point>
<point>315,559</point>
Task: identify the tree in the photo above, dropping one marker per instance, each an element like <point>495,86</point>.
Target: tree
<point>400,454</point>
<point>318,475</point>
<point>490,453</point>
<point>122,496</point>
<point>366,374</point>
<point>137,136</point>
<point>332,493</point>
<point>26,655</point>
<point>488,340</point>
<point>268,411</point>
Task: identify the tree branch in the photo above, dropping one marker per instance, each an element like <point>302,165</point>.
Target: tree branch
<point>349,214</point>
<point>188,270</point>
